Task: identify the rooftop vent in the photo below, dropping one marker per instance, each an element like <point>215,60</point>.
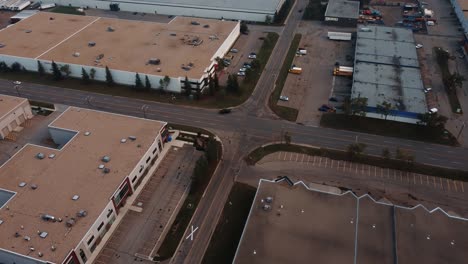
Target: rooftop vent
<point>33,186</point>
<point>110,29</point>
<point>82,213</point>
<point>51,156</point>
<point>69,223</point>
<point>106,170</point>
<point>195,23</point>
<point>53,248</point>
<point>40,155</point>
<point>101,166</point>
<point>91,44</point>
<point>2,45</point>
<point>106,159</point>
<point>27,238</point>
<point>75,197</point>
<point>132,138</point>
<point>1,221</point>
<point>43,234</point>
<point>269,199</point>
<point>40,254</point>
<point>87,133</point>
<point>154,61</point>
<point>22,184</point>
<point>47,217</point>
<point>123,140</point>
<point>173,34</point>
<point>76,54</point>
<point>206,26</point>
<point>266,207</point>
<point>28,31</point>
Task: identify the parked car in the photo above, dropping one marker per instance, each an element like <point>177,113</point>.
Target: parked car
<point>16,82</point>
<point>418,46</point>
<point>430,23</point>
<point>234,50</point>
<point>428,89</point>
<point>243,69</point>
<point>284,98</point>
<point>241,74</point>
<point>323,109</point>
<point>252,55</point>
<point>225,111</point>
<point>247,65</point>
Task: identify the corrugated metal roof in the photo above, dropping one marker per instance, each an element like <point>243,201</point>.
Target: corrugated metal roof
<point>343,9</point>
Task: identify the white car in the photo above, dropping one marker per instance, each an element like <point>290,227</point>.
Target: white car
<point>234,50</point>
<point>252,55</point>
<point>284,98</point>
<point>243,69</point>
<point>430,23</point>
<point>428,89</point>
<point>241,74</point>
<point>16,82</point>
<point>418,46</point>
<point>433,110</point>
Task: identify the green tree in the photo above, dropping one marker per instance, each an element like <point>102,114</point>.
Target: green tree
<point>4,67</point>
<point>92,73</point>
<point>65,69</point>
<point>211,153</point>
<point>358,106</point>
<point>434,121</point>
<point>109,79</point>
<point>243,28</point>
<point>56,73</point>
<point>220,63</point>
<point>85,76</point>
<point>384,109</point>
<point>147,83</point>
<point>454,81</point>
<point>165,82</point>
<point>16,67</point>
<point>40,68</point>
<point>386,153</point>
<point>404,155</point>
<point>187,86</point>
<point>200,174</point>
<point>268,19</point>
<point>211,86</point>
<point>216,82</point>
<point>233,84</point>
<point>355,150</point>
<point>138,83</point>
<point>255,64</point>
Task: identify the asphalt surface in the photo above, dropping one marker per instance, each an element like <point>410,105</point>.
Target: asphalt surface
<point>250,125</point>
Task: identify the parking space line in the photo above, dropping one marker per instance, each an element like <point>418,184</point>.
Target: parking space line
<point>448,185</point>
<point>433,178</point>
<point>381,172</point>
<point>320,161</point>
<point>331,165</point>
<point>357,168</point>
<point>414,178</point>
<point>326,161</point>
<point>285,155</point>
<point>369,169</point>
<point>420,178</point>
<point>313,164</point>
<point>279,155</point>
<point>303,157</point>
<point>455,185</point>
<point>338,167</point>
<point>394,174</point>
<point>308,158</point>
<point>441,184</point>
<point>297,156</point>
<point>375,171</point>
<point>462,187</point>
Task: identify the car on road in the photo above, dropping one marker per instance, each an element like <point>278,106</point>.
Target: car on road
<point>225,111</point>
<point>327,108</point>
<point>418,46</point>
<point>234,50</point>
<point>241,74</point>
<point>16,82</point>
<point>284,98</point>
<point>252,55</point>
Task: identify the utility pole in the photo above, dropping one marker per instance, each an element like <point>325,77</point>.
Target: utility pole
<point>144,108</point>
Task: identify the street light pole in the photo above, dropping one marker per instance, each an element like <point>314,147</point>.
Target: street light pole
<point>17,90</point>
<point>144,108</point>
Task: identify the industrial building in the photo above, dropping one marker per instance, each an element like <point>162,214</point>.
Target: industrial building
<point>14,112</point>
<point>386,69</point>
<point>343,13</point>
<point>58,203</point>
<point>249,10</point>
<point>184,47</point>
<point>293,223</point>
<point>460,8</point>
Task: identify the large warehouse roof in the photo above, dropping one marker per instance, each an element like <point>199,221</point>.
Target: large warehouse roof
<point>66,39</point>
<point>267,6</point>
<point>386,68</point>
<point>342,9</point>
<point>72,171</point>
<point>305,225</point>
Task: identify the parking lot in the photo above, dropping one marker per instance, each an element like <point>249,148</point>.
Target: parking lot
<point>142,230</point>
<point>316,84</point>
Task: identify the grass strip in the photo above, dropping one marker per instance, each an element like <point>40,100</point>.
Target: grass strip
<point>381,162</point>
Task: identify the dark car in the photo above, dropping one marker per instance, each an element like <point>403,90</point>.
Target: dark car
<point>225,111</point>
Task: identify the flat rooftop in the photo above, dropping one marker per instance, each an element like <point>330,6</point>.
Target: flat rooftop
<point>73,171</point>
<point>305,225</point>
<point>263,6</point>
<point>386,68</point>
<point>342,9</point>
<point>9,103</point>
<point>52,36</point>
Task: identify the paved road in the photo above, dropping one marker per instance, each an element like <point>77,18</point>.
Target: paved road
<point>250,125</point>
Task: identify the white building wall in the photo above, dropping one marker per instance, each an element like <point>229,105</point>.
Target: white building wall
<point>6,121</point>
<point>248,15</point>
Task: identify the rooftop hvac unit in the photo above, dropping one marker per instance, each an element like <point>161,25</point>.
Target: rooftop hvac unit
<point>106,170</point>
<point>70,222</point>
<point>76,54</point>
<point>195,23</point>
<point>269,199</point>
<point>91,44</point>
<point>47,217</point>
<point>2,45</point>
<point>110,29</point>
<point>106,159</point>
<point>82,213</point>
<point>154,61</point>
<point>206,26</point>
<point>40,155</point>
<point>132,138</point>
